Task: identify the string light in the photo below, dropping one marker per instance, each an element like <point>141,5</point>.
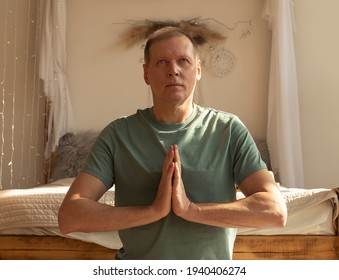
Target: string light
<point>22,113</point>
<point>25,114</point>
<point>38,175</point>
<point>3,83</point>
<point>14,93</point>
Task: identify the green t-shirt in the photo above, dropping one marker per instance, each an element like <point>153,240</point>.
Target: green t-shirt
<point>216,152</point>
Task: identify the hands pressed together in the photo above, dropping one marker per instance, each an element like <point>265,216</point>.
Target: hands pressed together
<point>171,193</point>
<point>263,206</point>
<point>264,200</point>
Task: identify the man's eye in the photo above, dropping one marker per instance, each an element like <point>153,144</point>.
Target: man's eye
<point>184,60</point>
<point>161,61</point>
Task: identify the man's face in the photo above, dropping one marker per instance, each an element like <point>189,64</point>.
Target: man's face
<point>173,70</point>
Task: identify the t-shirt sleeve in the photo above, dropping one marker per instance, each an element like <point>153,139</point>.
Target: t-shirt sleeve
<point>246,156</point>
<point>100,161</point>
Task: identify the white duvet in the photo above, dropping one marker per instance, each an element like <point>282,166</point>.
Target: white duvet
<point>36,207</point>
<point>34,211</point>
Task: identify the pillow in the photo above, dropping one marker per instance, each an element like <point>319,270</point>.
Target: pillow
<point>71,154</point>
<point>265,154</point>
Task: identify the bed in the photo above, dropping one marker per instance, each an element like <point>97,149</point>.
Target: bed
<point>29,229</point>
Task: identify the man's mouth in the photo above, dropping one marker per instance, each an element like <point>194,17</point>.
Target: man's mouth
<point>174,85</point>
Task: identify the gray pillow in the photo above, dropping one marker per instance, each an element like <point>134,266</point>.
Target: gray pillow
<point>264,152</point>
<point>71,154</point>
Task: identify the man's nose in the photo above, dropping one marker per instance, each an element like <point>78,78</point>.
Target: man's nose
<point>173,70</point>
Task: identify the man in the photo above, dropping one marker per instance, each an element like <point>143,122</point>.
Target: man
<point>175,168</point>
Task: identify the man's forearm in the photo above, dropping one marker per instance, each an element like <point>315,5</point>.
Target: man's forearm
<point>257,210</point>
<point>91,216</point>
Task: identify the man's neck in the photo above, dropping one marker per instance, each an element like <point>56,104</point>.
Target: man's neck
<point>172,115</point>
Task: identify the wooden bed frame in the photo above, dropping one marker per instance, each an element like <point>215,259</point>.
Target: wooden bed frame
<point>247,247</point>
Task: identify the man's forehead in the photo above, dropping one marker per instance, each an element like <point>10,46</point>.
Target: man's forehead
<point>180,43</point>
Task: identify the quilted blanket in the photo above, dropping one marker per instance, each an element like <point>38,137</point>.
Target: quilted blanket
<point>38,207</point>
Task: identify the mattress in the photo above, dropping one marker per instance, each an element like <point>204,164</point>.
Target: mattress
<point>34,211</point>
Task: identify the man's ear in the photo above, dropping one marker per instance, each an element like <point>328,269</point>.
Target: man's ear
<point>198,70</point>
<point>145,66</point>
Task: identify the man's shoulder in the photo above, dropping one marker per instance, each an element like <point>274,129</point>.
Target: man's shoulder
<point>123,125</point>
<point>216,114</point>
<point>129,119</point>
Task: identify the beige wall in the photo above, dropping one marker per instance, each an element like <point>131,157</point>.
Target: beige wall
<point>317,56</point>
<point>106,81</point>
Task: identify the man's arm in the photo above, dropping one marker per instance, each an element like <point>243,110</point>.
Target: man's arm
<point>262,206</point>
<point>81,211</point>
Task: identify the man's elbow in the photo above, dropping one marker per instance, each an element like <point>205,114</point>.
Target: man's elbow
<point>64,221</point>
<point>281,216</point>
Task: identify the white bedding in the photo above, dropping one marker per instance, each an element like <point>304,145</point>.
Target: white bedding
<point>310,211</point>
<point>36,207</point>
<point>34,211</point>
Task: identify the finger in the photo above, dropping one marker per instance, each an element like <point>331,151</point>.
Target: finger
<point>170,172</point>
<point>178,194</point>
<point>176,153</point>
<point>168,160</point>
<point>176,174</point>
<point>177,156</point>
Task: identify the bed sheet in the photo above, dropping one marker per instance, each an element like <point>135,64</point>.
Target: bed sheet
<point>34,212</point>
<point>36,207</point>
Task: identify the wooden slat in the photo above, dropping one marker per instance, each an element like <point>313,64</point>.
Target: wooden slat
<point>306,255</point>
<point>51,248</point>
<point>56,255</point>
<point>42,242</point>
<point>288,247</point>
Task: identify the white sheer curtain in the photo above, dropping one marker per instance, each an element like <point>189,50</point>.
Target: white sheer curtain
<point>52,71</point>
<point>283,131</point>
